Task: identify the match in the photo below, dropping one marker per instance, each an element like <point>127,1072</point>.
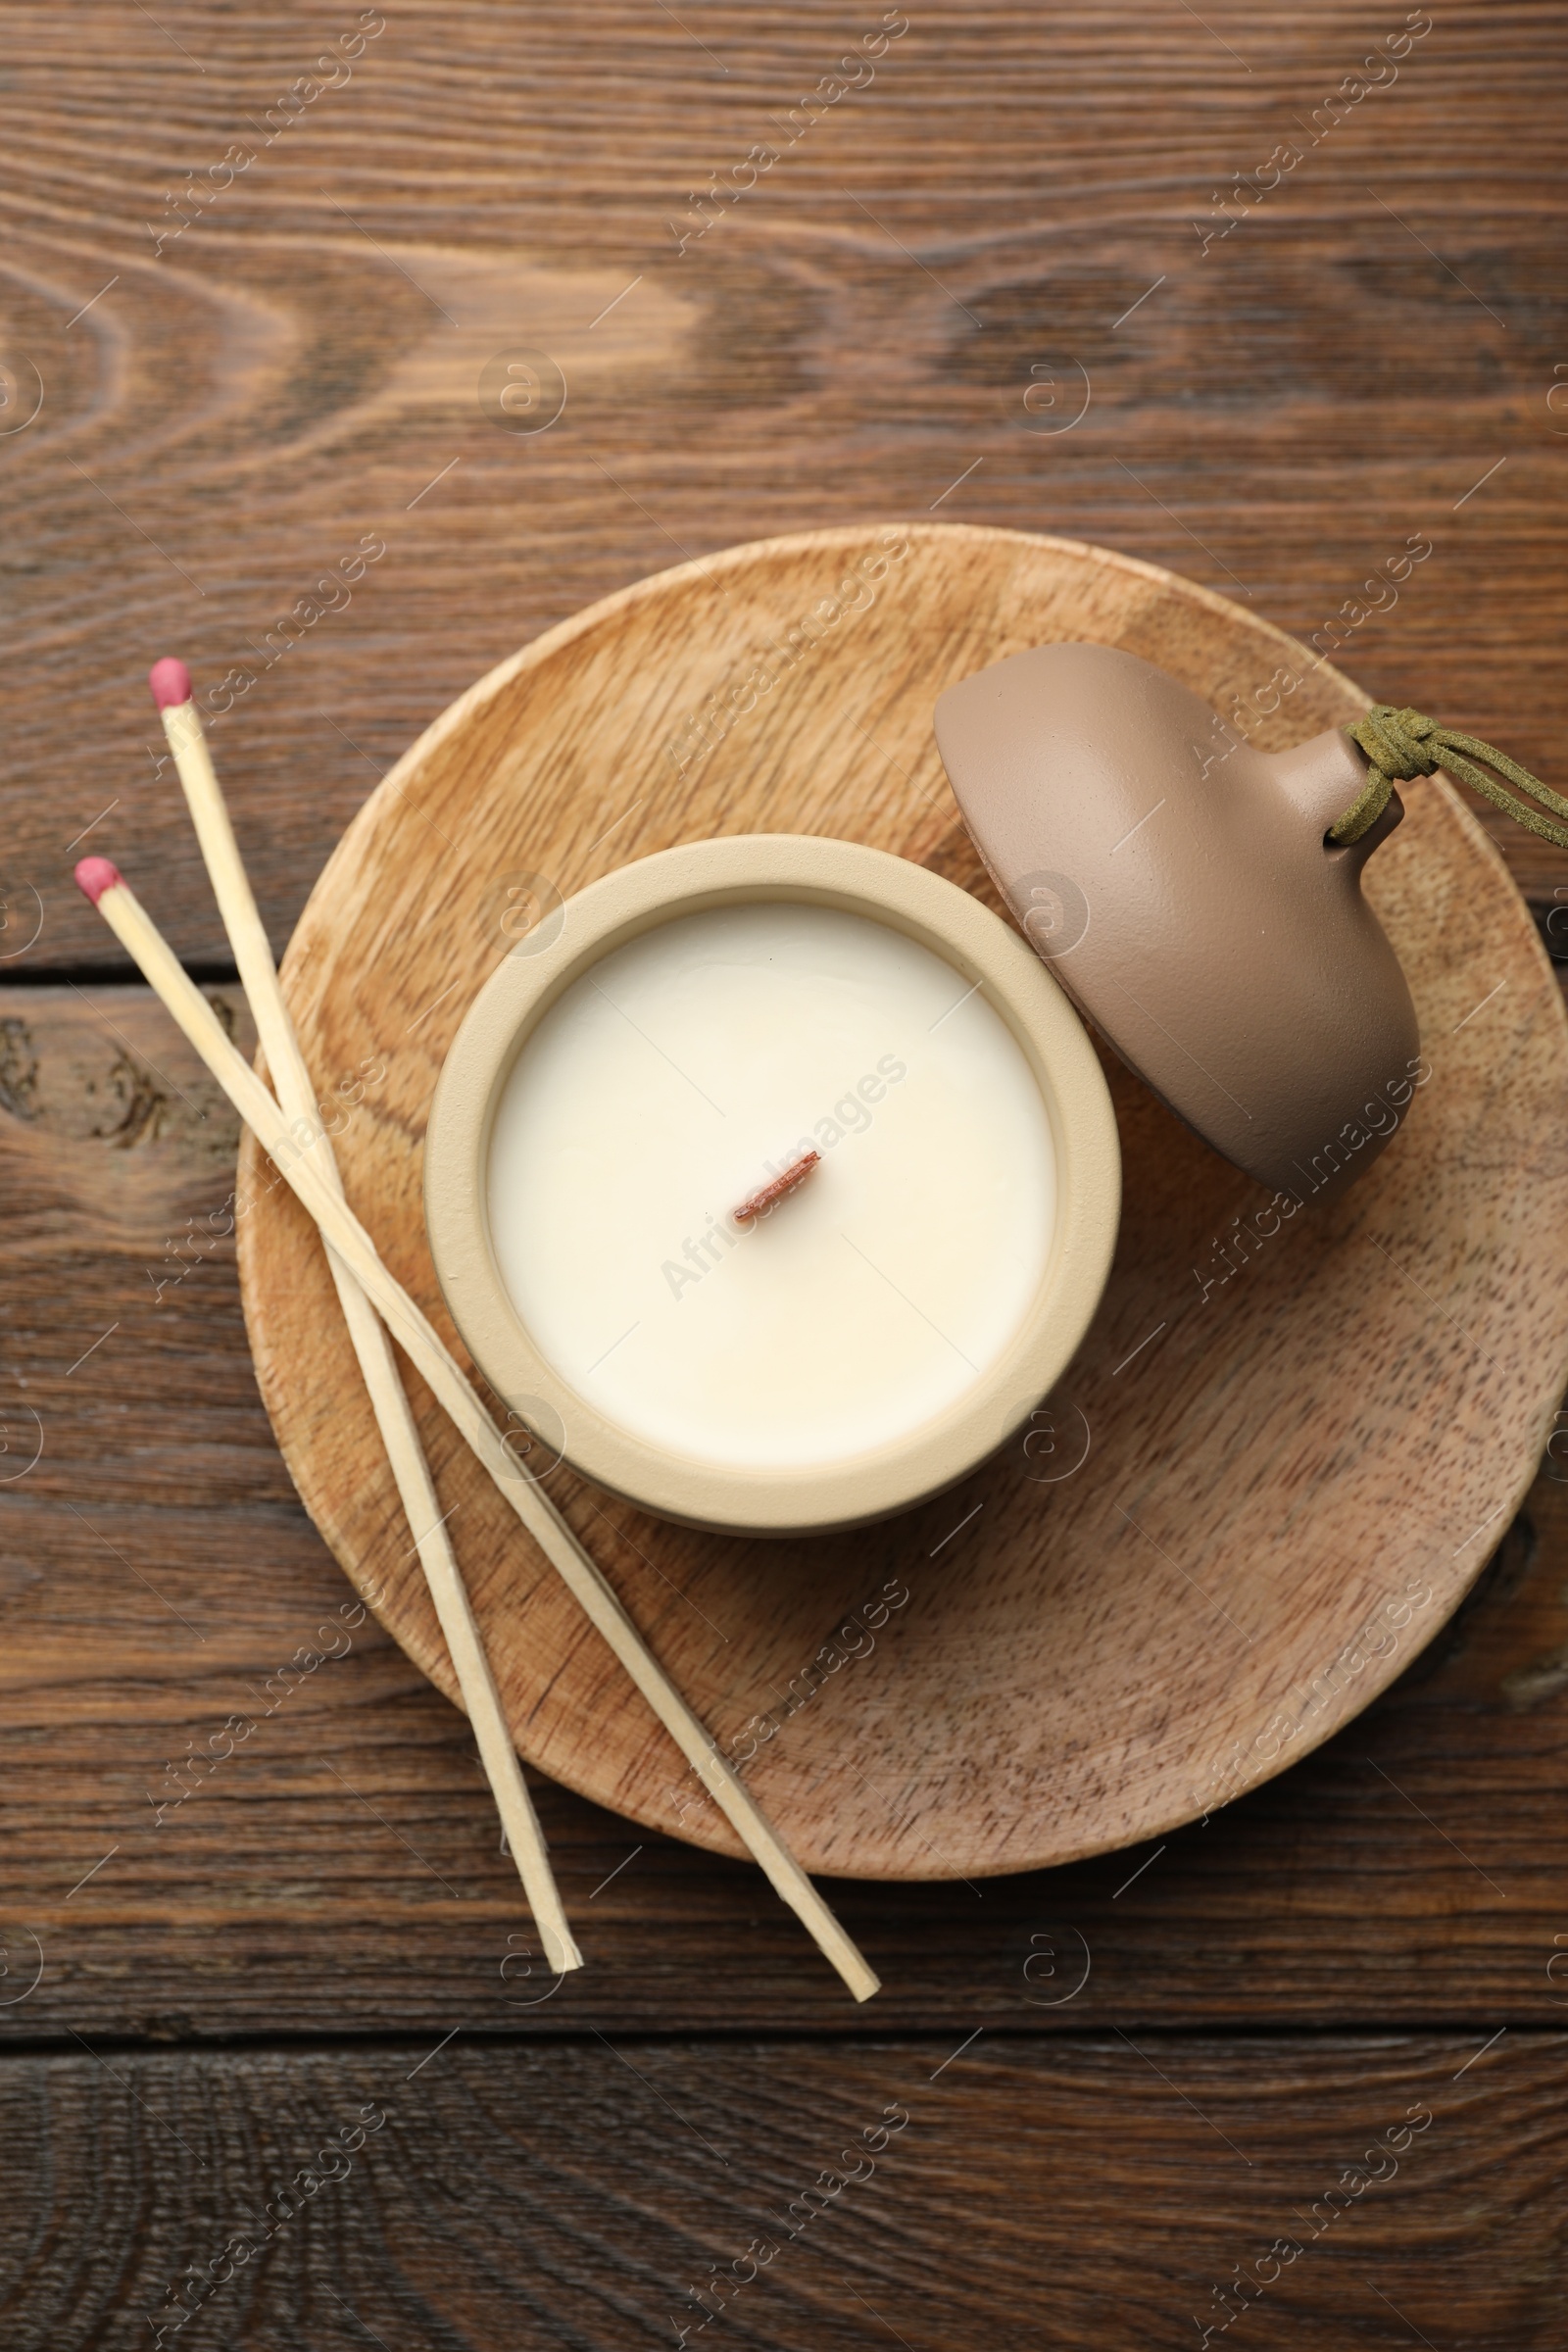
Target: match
<point>169,681</point>
<point>300,1169</point>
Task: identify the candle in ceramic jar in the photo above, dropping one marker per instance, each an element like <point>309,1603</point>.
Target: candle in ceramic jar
<point>682,1072</point>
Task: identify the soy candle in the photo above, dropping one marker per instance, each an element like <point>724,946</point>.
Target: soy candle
<point>705,1023</point>
<point>679,1075</point>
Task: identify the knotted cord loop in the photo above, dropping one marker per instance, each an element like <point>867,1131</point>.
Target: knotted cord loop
<point>1402,743</point>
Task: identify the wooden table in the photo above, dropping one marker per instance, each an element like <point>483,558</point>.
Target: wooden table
<point>1329,2022</point>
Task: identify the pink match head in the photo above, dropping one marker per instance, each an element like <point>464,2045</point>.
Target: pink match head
<point>169,681</point>
<point>95,875</point>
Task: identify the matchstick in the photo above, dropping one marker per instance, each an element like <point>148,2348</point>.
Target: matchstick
<point>299,1166</point>
<point>169,681</point>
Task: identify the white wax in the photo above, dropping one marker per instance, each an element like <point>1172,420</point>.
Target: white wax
<point>670,1083</point>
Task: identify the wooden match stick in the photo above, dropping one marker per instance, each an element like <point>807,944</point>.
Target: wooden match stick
<point>171,691</point>
<point>299,1166</point>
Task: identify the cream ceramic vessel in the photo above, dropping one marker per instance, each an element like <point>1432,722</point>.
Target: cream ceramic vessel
<point>985,956</point>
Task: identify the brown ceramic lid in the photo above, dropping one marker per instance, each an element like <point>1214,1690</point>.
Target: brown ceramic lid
<point>1179,886</point>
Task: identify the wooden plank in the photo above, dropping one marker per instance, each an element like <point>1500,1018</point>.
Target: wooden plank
<point>610,2192</point>
<point>339,1871</point>
<point>252,407</point>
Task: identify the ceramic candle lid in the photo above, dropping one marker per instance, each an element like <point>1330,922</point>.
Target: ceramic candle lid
<point>1179,886</point>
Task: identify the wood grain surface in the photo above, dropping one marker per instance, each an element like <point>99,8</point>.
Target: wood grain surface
<point>614,2192</point>
<point>972,1688</point>
<point>1376,349</point>
<point>292,373</point>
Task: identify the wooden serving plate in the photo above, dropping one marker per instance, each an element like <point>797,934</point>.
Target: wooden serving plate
<point>1286,1448</point>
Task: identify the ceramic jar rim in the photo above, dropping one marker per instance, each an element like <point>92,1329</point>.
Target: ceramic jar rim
<point>809,869</point>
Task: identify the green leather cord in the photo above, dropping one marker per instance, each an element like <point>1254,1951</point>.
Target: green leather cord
<point>1402,743</point>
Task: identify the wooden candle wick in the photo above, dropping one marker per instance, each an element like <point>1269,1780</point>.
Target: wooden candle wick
<point>286,1066</point>
<point>300,1169</point>
<point>762,1204</point>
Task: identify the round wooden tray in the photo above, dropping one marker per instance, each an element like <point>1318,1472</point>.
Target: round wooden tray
<point>1287,1445</point>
